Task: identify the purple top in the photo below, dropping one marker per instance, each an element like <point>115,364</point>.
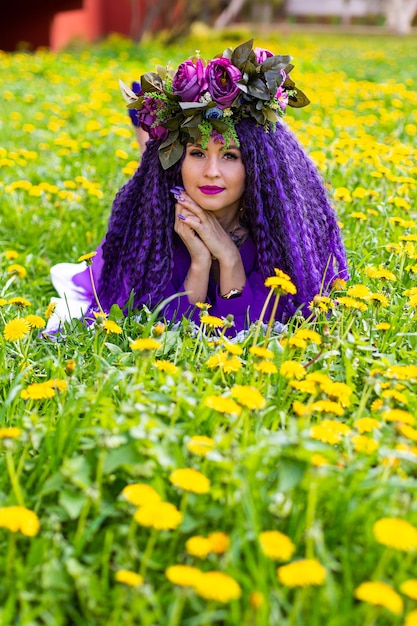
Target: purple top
<point>245,309</point>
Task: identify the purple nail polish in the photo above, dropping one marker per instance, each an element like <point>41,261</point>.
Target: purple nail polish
<point>181,217</point>
<point>178,197</point>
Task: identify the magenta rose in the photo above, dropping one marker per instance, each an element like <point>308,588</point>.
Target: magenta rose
<point>222,76</point>
<point>262,55</point>
<point>147,116</point>
<point>282,98</point>
<point>190,80</point>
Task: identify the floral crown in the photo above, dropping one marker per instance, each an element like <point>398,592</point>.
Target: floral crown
<point>203,99</point>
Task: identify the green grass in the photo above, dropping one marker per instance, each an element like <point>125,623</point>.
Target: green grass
<point>121,420</point>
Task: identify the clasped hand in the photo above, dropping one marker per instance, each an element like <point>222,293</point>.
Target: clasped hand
<point>202,233</point>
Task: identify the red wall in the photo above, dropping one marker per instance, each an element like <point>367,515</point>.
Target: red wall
<point>55,23</point>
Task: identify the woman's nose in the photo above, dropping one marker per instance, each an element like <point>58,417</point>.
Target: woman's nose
<point>212,167</point>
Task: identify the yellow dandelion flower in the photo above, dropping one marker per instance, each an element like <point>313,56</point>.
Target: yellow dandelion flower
<point>351,303</point>
<point>217,586</point>
<point>364,444</point>
<point>212,321</point>
<point>38,391</point>
<point>232,364</point>
<point>292,369</point>
<point>35,321</point>
<point>19,518</point>
<point>280,285</point>
<point>219,542</point>
<point>402,372</point>
<point>408,431</point>
<point>10,432</point>
<point>396,533</point>
<point>327,406</point>
<point>127,577</point>
<point>276,545</point>
<point>305,334</point>
<point>263,353</point>
<point>256,599</point>
<point>56,384</point>
<point>100,316</point>
<point>337,390</point>
<point>111,327</point>
<point>339,284</point>
<point>248,396</point>
<point>266,367</point>
<point>183,575</point>
<point>383,326</point>
<point>190,480</point>
<point>158,515</point>
<point>166,366</point>
<point>16,329</point>
<point>159,329</point>
<point>49,311</point>
<point>11,254</point>
<point>233,348</point>
<point>318,460</point>
<point>322,303</point>
<point>380,594</point>
<point>359,291</point>
<point>143,345</point>
<point>17,270</point>
<point>409,588</point>
<point>3,302</point>
<point>411,618</point>
<point>398,415</point>
<point>366,424</point>
<point>201,445</point>
<point>300,409</point>
<point>198,546</point>
<point>376,405</point>
<point>379,299</point>
<point>217,360</point>
<point>281,274</point>
<point>329,431</point>
<point>318,377</point>
<point>223,405</point>
<point>380,272</point>
<point>343,194</point>
<point>19,302</point>
<point>140,494</point>
<point>203,305</point>
<point>303,573</point>
<point>394,393</point>
<point>306,386</point>
<point>86,257</point>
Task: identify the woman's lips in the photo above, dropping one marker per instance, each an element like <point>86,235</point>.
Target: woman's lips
<point>211,189</point>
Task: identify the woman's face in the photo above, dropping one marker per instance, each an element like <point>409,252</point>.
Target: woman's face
<point>214,177</point>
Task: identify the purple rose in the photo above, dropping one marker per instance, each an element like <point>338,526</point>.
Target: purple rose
<point>262,55</point>
<point>190,80</point>
<point>147,116</point>
<point>222,76</point>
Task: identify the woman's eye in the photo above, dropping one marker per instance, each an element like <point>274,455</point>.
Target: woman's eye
<point>197,153</point>
<point>230,156</point>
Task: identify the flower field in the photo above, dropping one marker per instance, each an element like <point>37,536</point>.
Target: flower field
<point>161,475</point>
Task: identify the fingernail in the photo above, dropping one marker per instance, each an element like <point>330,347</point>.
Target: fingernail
<point>181,217</point>
<point>177,197</point>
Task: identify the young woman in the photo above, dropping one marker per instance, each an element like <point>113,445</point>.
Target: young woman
<point>223,196</point>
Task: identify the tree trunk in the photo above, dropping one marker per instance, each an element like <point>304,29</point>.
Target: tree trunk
<point>399,15</point>
<point>229,13</point>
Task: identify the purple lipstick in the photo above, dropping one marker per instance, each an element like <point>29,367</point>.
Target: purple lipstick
<point>211,190</point>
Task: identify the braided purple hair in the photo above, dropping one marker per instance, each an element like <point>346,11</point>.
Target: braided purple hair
<point>286,209</point>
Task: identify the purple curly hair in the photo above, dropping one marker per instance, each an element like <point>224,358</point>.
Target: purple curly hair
<point>287,212</point>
